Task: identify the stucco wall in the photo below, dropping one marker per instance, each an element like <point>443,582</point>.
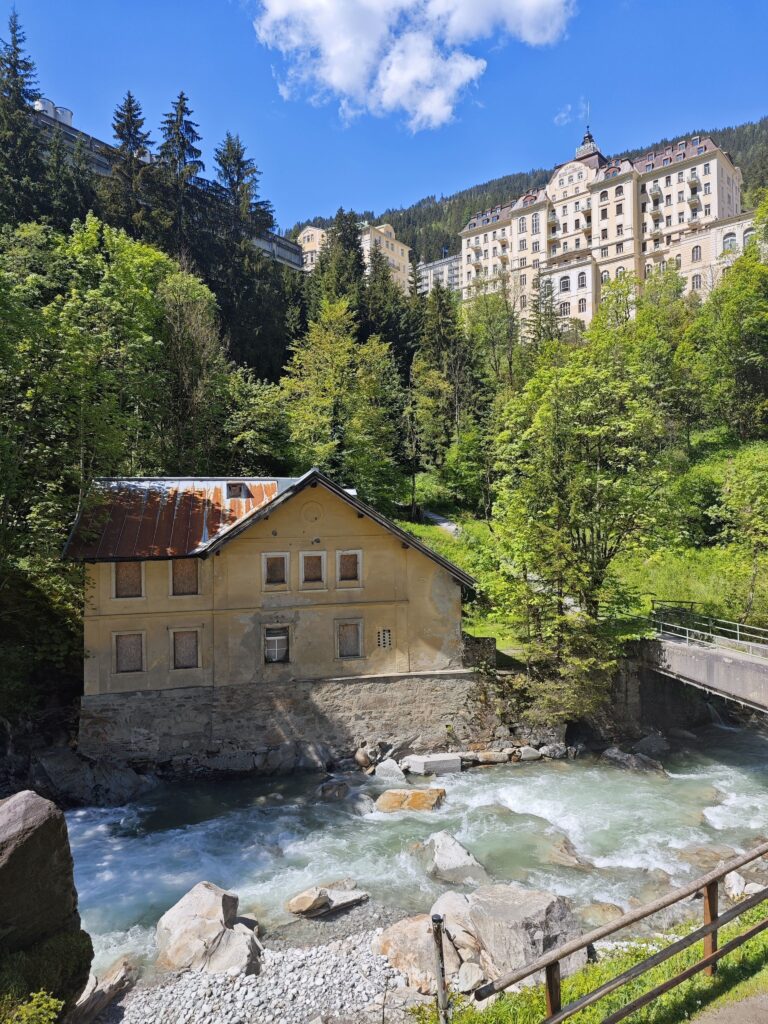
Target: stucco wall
<point>401,590</point>
<point>251,727</point>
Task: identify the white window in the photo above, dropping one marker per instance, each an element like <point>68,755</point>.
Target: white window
<point>184,577</point>
<point>536,246</point>
<point>565,284</point>
<point>707,188</point>
<point>128,652</point>
<point>349,639</point>
<point>582,305</point>
<point>535,223</point>
<point>565,309</point>
<point>605,276</point>
<point>604,196</point>
<point>582,282</point>
<point>275,568</point>
<point>128,579</point>
<point>349,568</point>
<point>522,225</point>
<point>185,648</point>
<point>620,271</point>
<point>522,245</point>
<point>619,248</point>
<point>729,242</point>
<point>523,302</point>
<point>312,565</point>
<point>603,252</point>
<point>277,645</point>
<point>706,168</point>
<point>696,282</point>
<point>695,253</point>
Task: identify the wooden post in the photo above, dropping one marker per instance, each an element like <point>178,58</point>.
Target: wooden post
<point>710,914</point>
<point>442,996</point>
<point>552,972</point>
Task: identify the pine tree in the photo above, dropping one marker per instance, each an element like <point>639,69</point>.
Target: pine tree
<point>123,191</point>
<point>340,267</point>
<point>239,176</point>
<point>21,159</point>
<point>173,200</point>
<point>67,185</point>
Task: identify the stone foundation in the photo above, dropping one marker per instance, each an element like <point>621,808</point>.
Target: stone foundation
<point>274,728</point>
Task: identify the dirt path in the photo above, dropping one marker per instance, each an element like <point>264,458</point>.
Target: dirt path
<point>753,1010</point>
<point>445,524</point>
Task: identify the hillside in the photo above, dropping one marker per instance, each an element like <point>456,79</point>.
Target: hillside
<point>432,224</point>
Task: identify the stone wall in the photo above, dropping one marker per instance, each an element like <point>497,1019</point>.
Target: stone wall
<point>478,650</point>
<point>278,727</point>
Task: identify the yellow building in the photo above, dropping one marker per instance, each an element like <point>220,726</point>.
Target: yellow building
<point>312,239</point>
<point>397,254</point>
<point>219,591</point>
<point>597,219</point>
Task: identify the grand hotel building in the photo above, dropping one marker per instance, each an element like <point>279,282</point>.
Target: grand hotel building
<point>598,219</point>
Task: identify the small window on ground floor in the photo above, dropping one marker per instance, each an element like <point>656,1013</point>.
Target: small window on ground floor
<point>186,653</point>
<point>276,644</point>
<point>184,576</point>
<point>129,652</point>
<point>349,639</point>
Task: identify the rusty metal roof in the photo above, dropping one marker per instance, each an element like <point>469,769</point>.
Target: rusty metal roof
<point>151,517</point>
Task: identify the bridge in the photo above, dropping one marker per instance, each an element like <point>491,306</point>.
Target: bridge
<point>725,658</point>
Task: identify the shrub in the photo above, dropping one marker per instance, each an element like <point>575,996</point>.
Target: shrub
<point>55,969</point>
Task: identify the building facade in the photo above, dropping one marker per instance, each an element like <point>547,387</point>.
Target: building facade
<point>311,240</point>
<point>598,219</point>
<point>397,254</point>
<point>445,272</point>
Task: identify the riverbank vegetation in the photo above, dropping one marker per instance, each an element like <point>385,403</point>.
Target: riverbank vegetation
<point>143,332</point>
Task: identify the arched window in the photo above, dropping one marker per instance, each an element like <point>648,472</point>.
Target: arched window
<point>748,234</point>
<point>523,301</point>
<point>696,254</point>
<point>547,289</point>
<point>619,191</point>
<point>582,280</point>
<point>696,282</point>
<point>522,224</point>
<point>535,223</point>
<point>678,261</point>
<point>565,309</point>
<point>648,269</point>
<point>604,196</point>
<point>565,284</point>
<point>582,305</point>
<point>605,276</point>
<point>620,272</point>
<point>729,242</point>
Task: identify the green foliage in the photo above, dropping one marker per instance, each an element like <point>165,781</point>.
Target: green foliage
<point>55,969</point>
<point>679,1004</point>
<point>21,157</point>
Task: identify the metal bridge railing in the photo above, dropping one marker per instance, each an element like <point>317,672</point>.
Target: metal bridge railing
<point>680,619</point>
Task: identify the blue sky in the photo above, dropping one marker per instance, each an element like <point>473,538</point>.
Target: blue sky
<point>376,103</point>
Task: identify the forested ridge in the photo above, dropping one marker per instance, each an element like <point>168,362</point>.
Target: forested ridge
<point>432,225</point>
<point>143,333</point>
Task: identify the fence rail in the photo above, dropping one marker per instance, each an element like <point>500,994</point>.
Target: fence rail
<point>707,884</point>
<point>680,619</point>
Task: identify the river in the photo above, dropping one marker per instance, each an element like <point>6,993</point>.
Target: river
<point>268,839</point>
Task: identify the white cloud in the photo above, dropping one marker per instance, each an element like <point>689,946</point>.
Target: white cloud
<point>397,56</point>
<point>570,113</point>
<point>564,116</point>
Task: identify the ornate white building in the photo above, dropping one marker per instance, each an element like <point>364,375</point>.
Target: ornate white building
<point>597,219</point>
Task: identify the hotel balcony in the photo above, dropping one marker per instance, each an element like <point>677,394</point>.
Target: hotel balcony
<point>504,256</point>
<point>477,247</point>
<point>694,199</point>
<point>657,230</point>
<point>654,190</point>
<point>656,212</point>
<point>477,261</point>
<point>693,178</point>
<point>503,241</point>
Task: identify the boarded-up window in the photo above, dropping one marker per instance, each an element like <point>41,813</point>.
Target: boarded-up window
<point>128,652</point>
<point>185,648</point>
<point>349,566</point>
<point>276,644</point>
<point>184,576</point>
<point>348,637</point>
<point>313,568</point>
<point>276,569</point>
<point>127,579</point>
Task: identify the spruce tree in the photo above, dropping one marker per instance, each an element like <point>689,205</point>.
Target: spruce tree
<point>238,176</point>
<point>173,199</point>
<point>340,267</point>
<point>123,191</point>
<point>21,148</point>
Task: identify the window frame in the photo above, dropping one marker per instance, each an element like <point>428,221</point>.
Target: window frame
<point>139,597</point>
<point>274,587</point>
<point>134,671</point>
<point>350,621</point>
<point>285,626</point>
<point>321,584</point>
<point>349,584</point>
<point>172,631</point>
<point>171,562</point>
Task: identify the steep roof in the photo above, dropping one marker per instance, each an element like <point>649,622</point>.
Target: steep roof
<point>150,518</point>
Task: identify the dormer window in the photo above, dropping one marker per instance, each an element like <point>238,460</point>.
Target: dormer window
<point>237,489</point>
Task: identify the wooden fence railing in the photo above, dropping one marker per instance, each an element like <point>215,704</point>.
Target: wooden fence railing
<point>707,884</point>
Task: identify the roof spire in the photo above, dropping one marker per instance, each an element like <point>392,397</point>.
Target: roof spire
<point>588,145</point>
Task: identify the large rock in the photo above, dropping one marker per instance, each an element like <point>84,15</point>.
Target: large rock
<point>102,989</point>
<point>410,800</point>
<point>327,899</point>
<point>447,860</point>
<point>410,948</point>
<point>201,933</point>
<point>654,745</point>
<point>453,907</point>
<point>514,926</point>
<point>634,762</point>
<point>72,780</point>
<point>389,771</point>
<point>360,803</point>
<point>432,764</point>
<point>530,754</point>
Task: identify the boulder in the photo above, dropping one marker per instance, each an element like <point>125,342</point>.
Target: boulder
<point>596,914</point>
<point>634,762</point>
<point>74,781</point>
<point>734,885</point>
<point>453,907</point>
<point>563,853</point>
<point>491,757</point>
<point>360,803</point>
<point>201,933</point>
<point>102,989</point>
<point>389,771</point>
<point>309,901</point>
<point>410,800</point>
<point>554,751</point>
<point>706,858</point>
<point>447,860</point>
<point>334,789</point>
<point>432,764</point>
<point>327,899</point>
<point>530,754</point>
<point>654,745</point>
<point>514,926</point>
<point>362,757</point>
<point>538,735</point>
<point>312,757</point>
<point>470,977</point>
<point>410,948</point>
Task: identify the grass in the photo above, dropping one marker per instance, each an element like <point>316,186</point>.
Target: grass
<point>744,971</point>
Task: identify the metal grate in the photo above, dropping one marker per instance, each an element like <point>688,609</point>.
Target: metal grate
<point>384,638</point>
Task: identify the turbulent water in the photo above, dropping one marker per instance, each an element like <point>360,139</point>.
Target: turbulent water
<point>268,839</point>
